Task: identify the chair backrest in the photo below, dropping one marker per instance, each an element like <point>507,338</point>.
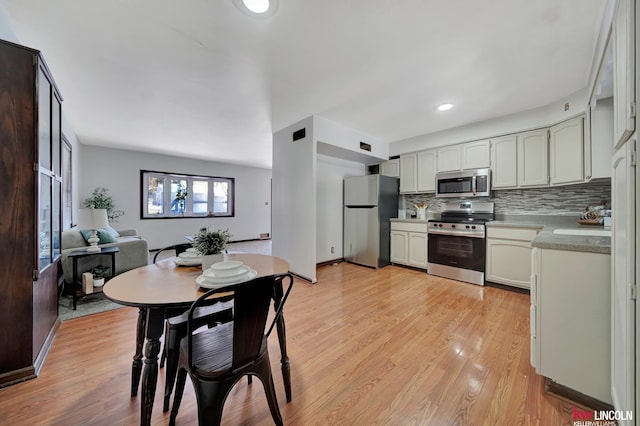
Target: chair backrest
<point>179,248</point>
<point>251,309</point>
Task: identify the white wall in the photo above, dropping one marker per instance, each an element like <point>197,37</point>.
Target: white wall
<point>307,189</point>
<point>119,172</point>
<point>522,121</point>
<point>6,32</point>
<point>343,137</point>
<point>294,199</point>
<point>331,173</point>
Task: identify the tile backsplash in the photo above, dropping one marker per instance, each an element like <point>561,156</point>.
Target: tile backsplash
<point>558,200</point>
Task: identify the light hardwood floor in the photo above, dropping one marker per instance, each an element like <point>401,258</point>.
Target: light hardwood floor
<point>393,347</point>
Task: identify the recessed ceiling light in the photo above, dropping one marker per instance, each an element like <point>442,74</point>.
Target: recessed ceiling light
<point>444,107</point>
<point>257,6</point>
<point>260,9</point>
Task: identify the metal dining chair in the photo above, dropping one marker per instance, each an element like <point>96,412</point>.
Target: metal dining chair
<point>216,358</point>
<point>210,314</point>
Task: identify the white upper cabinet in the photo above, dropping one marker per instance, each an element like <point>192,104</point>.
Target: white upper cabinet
<point>449,158</point>
<point>408,173</point>
<point>476,155</point>
<point>533,158</point>
<point>504,162</point>
<point>624,71</point>
<point>566,155</point>
<point>599,146</point>
<point>427,171</point>
<point>390,168</point>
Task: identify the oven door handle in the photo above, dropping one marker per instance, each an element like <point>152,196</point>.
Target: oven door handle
<point>479,234</point>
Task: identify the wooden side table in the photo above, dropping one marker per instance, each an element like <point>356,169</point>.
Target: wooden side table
<point>78,254</point>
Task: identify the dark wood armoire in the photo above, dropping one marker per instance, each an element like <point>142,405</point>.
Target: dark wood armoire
<point>30,211</point>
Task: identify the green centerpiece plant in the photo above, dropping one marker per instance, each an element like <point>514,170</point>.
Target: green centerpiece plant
<point>211,245</point>
<point>211,242</point>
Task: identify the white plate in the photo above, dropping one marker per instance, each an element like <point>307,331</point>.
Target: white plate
<point>192,250</point>
<point>227,264</point>
<point>187,261</point>
<point>225,280</point>
<point>189,254</point>
<point>205,283</point>
<point>214,274</point>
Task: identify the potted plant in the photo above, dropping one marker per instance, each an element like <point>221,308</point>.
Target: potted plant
<point>100,199</point>
<point>211,245</point>
<point>99,273</point>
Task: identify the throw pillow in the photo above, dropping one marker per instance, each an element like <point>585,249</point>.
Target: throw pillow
<point>103,236</point>
<point>113,232</point>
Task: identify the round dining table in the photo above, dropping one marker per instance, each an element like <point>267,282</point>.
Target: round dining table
<point>164,285</point>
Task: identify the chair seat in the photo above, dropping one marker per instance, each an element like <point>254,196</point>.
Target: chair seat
<point>213,351</point>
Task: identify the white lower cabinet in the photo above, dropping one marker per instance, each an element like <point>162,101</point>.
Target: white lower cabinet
<point>570,320</point>
<point>409,244</point>
<point>509,255</point>
<point>399,247</point>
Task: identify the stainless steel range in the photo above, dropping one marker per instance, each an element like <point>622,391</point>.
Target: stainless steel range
<point>457,245</point>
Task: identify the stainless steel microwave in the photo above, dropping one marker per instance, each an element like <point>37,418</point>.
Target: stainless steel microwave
<point>467,183</point>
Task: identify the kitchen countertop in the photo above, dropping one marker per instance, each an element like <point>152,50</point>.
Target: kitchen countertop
<point>395,219</point>
<point>546,239</point>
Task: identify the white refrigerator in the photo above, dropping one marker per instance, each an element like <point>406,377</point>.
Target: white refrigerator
<point>369,202</point>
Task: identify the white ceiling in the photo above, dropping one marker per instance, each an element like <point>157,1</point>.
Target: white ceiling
<point>197,78</point>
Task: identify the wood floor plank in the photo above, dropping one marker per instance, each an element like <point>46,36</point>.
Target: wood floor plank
<point>390,346</point>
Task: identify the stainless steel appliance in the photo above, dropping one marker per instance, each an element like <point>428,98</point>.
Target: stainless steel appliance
<point>369,202</point>
<point>467,183</point>
<point>457,245</point>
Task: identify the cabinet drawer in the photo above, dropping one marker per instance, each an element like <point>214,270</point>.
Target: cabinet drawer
<point>409,227</point>
<point>518,234</point>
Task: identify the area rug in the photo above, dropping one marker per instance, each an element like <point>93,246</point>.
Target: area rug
<point>90,304</point>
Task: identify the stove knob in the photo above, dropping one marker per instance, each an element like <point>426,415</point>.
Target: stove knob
<point>468,226</point>
<point>453,226</point>
<point>473,227</point>
<point>440,225</point>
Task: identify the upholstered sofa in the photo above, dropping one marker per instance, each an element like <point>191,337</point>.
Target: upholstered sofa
<point>133,253</point>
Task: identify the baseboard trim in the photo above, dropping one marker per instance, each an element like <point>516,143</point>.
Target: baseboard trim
<point>573,396</point>
<point>329,262</point>
<point>302,277</point>
<point>17,376</point>
<point>507,287</point>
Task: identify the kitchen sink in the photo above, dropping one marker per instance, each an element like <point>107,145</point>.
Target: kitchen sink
<point>584,232</point>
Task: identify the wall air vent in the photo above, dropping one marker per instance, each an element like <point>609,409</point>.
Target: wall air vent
<point>299,134</point>
<point>365,146</point>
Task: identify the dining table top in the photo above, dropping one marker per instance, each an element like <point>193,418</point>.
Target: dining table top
<point>165,284</point>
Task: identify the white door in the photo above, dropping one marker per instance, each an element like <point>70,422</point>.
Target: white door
<point>566,152</point>
<point>533,158</point>
<point>476,155</point>
<point>427,171</point>
<point>399,247</point>
<point>390,168</point>
<point>408,173</point>
<point>418,249</point>
<point>623,71</point>
<point>449,158</point>
<point>504,162</point>
<point>623,278</point>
